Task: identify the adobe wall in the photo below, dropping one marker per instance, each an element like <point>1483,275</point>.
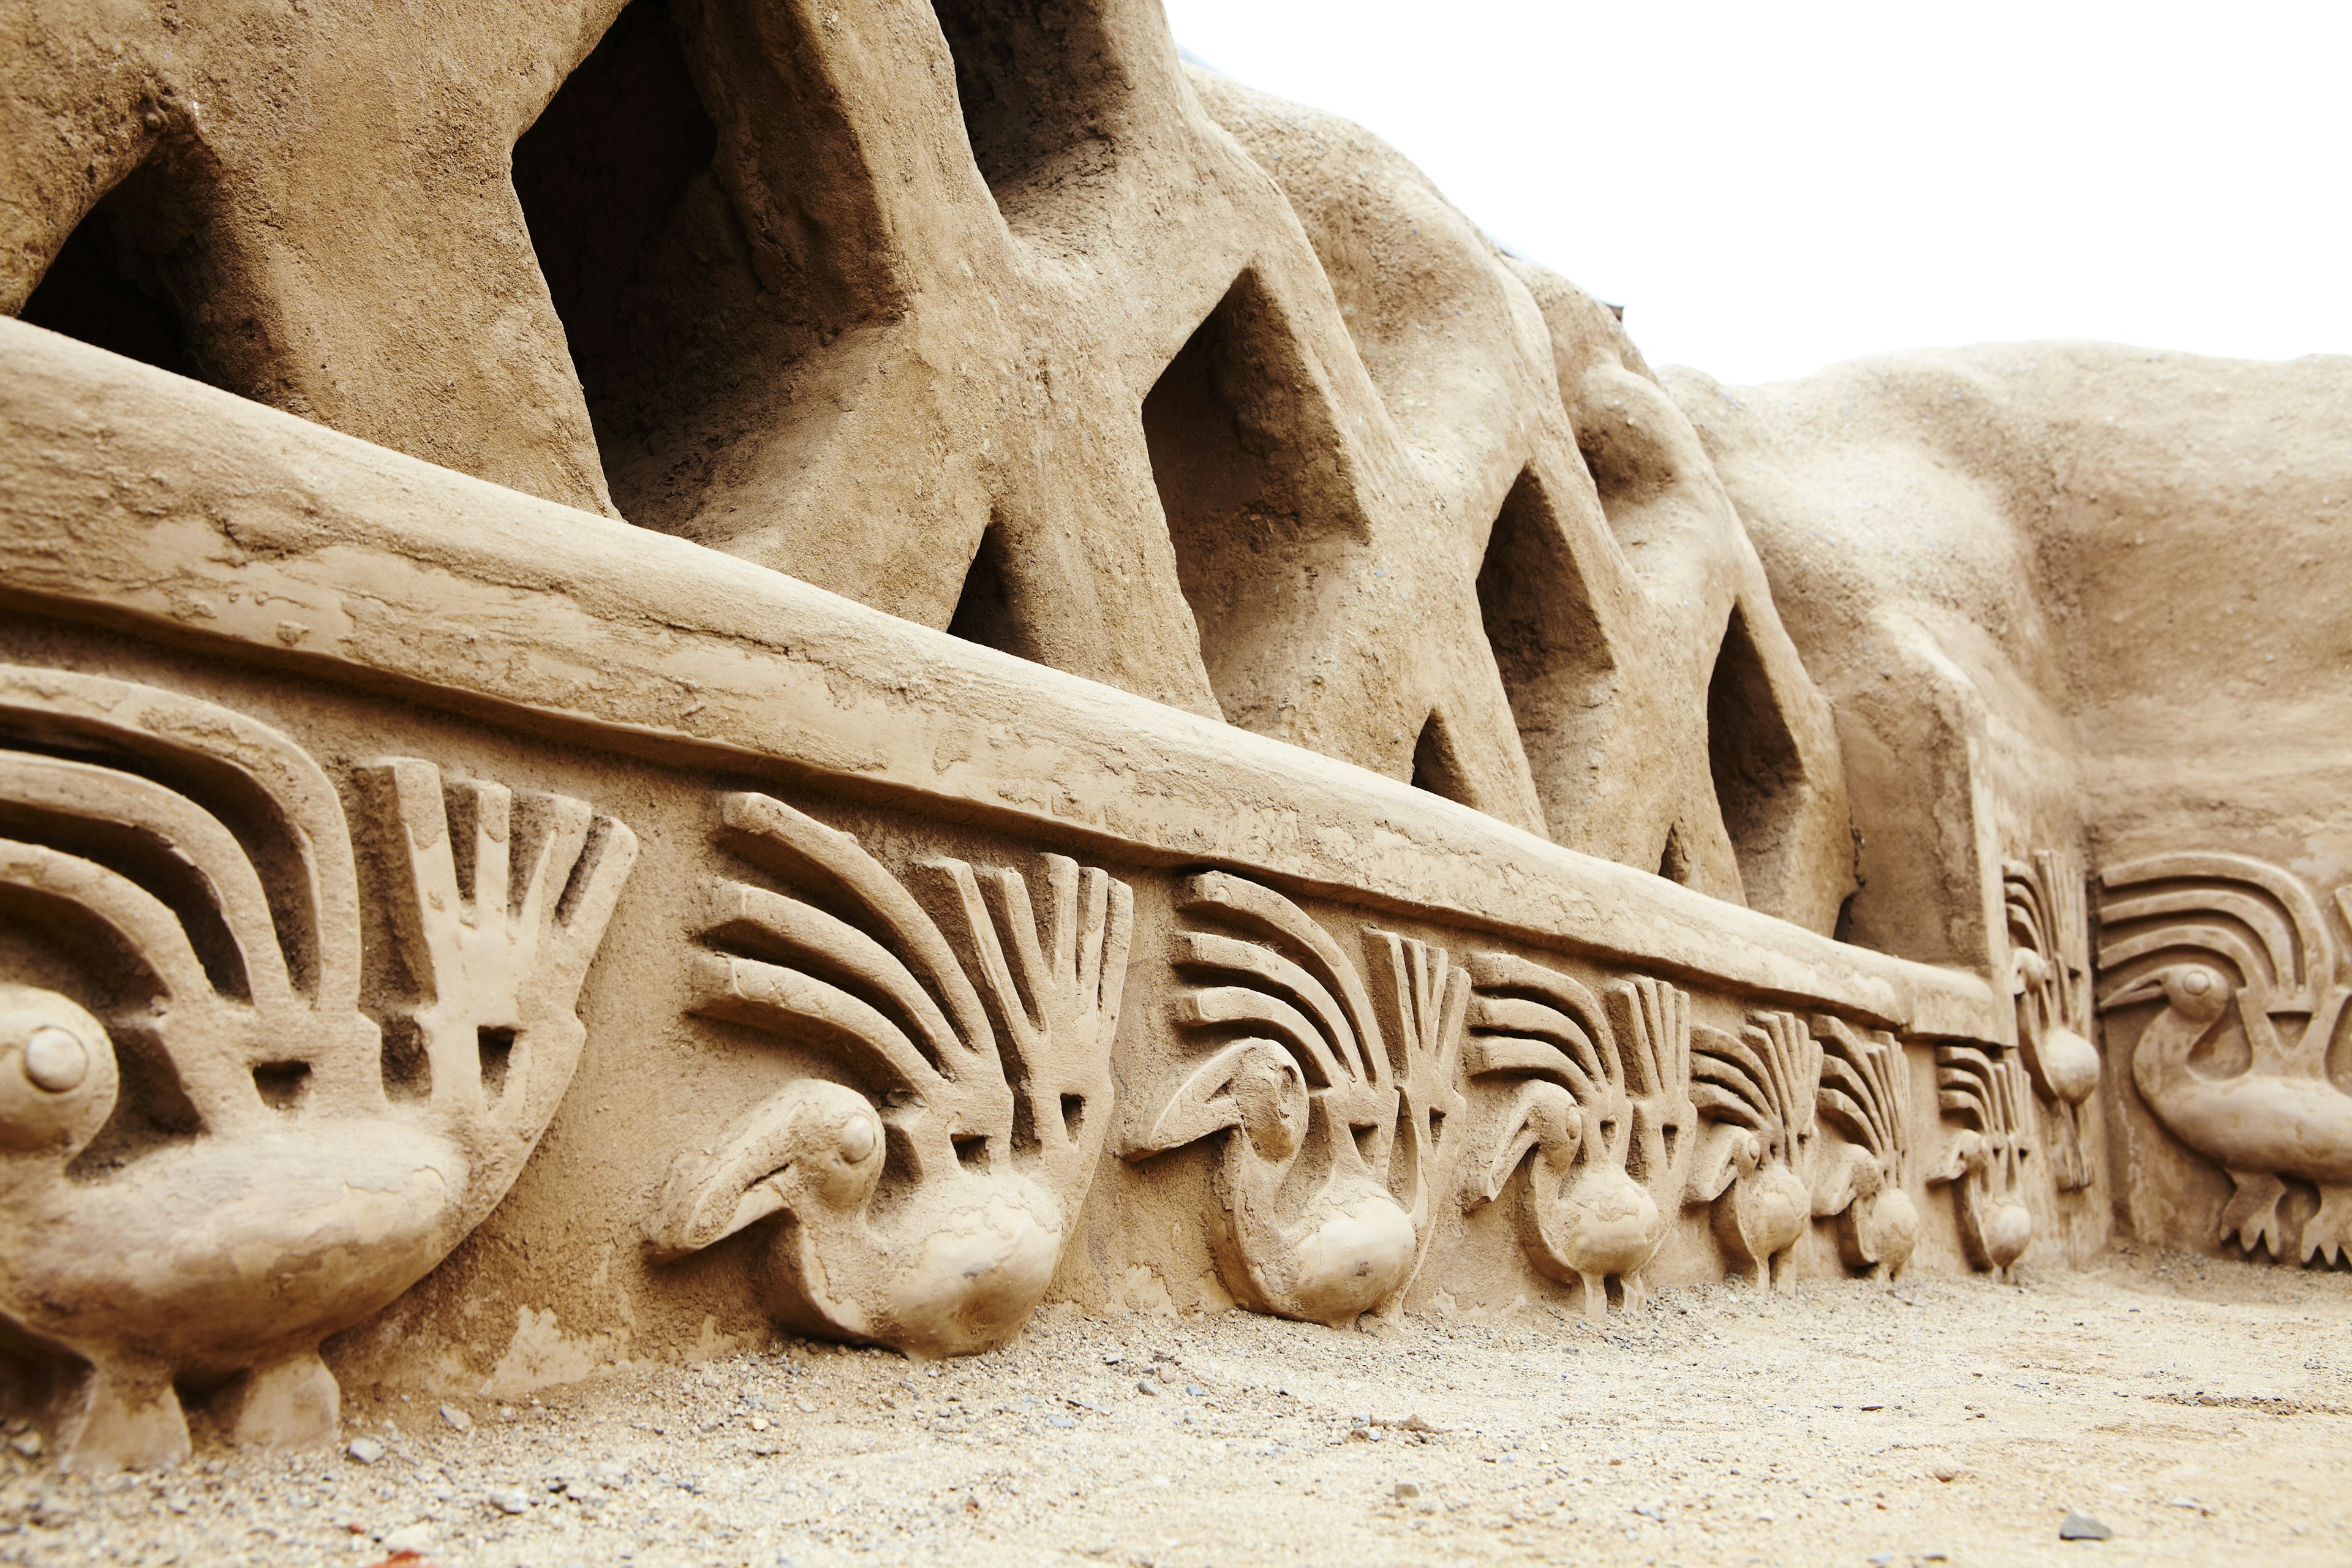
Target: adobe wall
<point>838,672</point>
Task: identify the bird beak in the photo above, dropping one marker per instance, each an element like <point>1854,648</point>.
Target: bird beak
<point>2148,987</point>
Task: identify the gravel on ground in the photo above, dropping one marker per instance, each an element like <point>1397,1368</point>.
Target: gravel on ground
<point>2197,1411</point>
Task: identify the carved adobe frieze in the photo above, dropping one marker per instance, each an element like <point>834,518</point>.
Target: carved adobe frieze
<point>2227,973</point>
<point>2050,944</point>
<point>210,1156</point>
<point>1985,1160</point>
<point>1755,1090</point>
<point>1340,1121</point>
<point>1865,1095</point>
<point>1576,1119</point>
<point>924,1202</point>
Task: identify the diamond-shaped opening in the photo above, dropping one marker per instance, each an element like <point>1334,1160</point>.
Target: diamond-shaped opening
<point>1752,756</point>
<point>1556,666</point>
<point>1259,498</point>
<point>1673,860</point>
<point>601,175</point>
<point>702,221</point>
<point>1040,87</point>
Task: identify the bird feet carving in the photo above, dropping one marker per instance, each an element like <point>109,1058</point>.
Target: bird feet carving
<point>2251,1214</point>
<point>290,1403</point>
<point>2324,1233</point>
<point>128,1417</point>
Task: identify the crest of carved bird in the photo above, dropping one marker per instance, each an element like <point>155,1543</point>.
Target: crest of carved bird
<point>2242,967</point>
<point>265,1186</point>
<point>984,1123</point>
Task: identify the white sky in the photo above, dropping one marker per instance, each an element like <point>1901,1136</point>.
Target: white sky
<point>1774,185</point>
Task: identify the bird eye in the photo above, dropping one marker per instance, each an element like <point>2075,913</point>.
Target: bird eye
<point>857,1139</point>
<point>56,1060</point>
<point>2195,982</point>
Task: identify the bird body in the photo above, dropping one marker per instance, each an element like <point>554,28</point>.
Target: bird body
<point>1766,1213</point>
<point>1603,1223</point>
<point>2297,1127</point>
<point>205,1257</point>
<point>2225,944</point>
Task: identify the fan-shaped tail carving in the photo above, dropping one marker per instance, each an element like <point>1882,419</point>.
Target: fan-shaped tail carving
<point>1865,1095</point>
<point>194,873</point>
<point>989,1102</point>
<point>1582,1216</point>
<point>1988,1093</point>
<point>1758,1088</point>
<point>2049,938</point>
<point>1343,1121</point>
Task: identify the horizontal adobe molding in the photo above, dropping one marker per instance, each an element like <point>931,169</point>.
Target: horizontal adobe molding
<point>134,497</point>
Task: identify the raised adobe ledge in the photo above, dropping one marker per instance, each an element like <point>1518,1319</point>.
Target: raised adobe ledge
<point>130,495</point>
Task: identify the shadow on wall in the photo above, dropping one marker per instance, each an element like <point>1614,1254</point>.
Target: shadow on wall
<point>1557,668</point>
<point>1753,759</point>
<point>1259,495</point>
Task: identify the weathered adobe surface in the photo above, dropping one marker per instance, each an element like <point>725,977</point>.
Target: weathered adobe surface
<point>829,321</point>
<point>2067,589</point>
<point>981,433</point>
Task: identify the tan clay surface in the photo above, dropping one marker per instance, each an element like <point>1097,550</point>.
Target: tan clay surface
<point>2191,1406</point>
<point>683,672</point>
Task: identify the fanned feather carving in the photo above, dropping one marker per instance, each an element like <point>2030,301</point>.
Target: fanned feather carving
<point>981,1053</point>
<point>1865,1094</point>
<point>1990,1095</point>
<point>1341,1122</point>
<point>1547,1045</point>
<point>263,1188</point>
<point>2050,945</point>
<point>1757,1088</point>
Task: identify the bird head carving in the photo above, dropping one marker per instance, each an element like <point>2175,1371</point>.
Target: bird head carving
<point>2200,992</point>
<point>1271,1104</point>
<point>816,1148</point>
<point>58,1076</point>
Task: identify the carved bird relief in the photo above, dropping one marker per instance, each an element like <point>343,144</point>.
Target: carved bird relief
<point>1757,1088</point>
<point>2242,963</point>
<point>924,1203</point>
<point>2050,942</point>
<point>1340,1127</point>
<point>1989,1093</point>
<point>1572,1124</point>
<point>210,1157</point>
<point>1865,1095</point>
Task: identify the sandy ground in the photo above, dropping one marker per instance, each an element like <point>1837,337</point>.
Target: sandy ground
<point>2202,1411</point>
